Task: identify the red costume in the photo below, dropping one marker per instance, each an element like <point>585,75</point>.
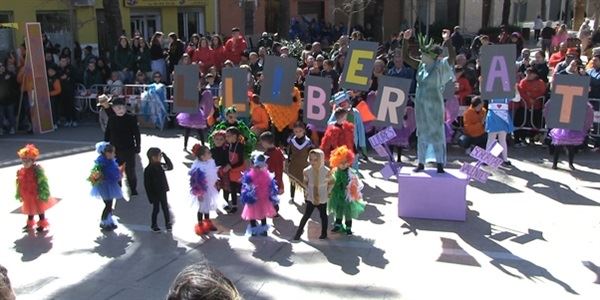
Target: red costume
<point>234,49</point>
<point>275,161</point>
<point>336,136</point>
<point>204,55</point>
<point>32,189</point>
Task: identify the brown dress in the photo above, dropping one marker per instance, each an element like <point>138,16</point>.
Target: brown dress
<point>298,159</point>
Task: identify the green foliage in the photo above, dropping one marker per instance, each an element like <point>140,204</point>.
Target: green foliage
<point>296,47</point>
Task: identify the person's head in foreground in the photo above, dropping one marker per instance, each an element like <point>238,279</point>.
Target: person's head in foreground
<point>202,282</point>
<point>6,292</point>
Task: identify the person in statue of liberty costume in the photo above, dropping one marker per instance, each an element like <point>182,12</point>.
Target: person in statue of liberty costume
<point>433,72</point>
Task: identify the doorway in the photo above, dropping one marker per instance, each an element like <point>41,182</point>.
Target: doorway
<point>146,23</point>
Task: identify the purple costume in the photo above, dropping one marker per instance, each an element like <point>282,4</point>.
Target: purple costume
<point>568,137</point>
<point>197,120</point>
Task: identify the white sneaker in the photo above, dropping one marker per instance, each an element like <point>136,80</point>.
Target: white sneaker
<point>74,124</point>
<point>12,131</point>
<point>68,124</point>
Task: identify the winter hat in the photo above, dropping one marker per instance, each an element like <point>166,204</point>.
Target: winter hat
<point>101,147</point>
<point>259,159</point>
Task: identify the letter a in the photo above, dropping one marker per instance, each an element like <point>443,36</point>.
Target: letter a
<point>498,70</point>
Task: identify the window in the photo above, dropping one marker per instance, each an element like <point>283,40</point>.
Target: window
<point>57,25</point>
<point>190,21</point>
<point>6,35</point>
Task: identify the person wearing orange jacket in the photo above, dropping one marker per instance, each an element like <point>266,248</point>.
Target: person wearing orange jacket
<point>55,91</point>
<point>558,56</point>
<point>464,86</point>
<point>259,116</point>
<point>531,88</point>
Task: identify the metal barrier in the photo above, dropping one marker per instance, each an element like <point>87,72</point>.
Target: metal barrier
<point>87,98</point>
<point>538,127</point>
<point>595,131</point>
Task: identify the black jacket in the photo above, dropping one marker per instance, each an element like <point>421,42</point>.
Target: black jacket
<point>9,89</point>
<point>123,133</point>
<point>220,155</point>
<point>155,180</point>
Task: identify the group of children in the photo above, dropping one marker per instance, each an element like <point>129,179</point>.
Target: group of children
<point>230,164</point>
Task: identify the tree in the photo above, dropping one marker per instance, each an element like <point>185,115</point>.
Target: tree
<point>505,12</point>
<point>112,11</point>
<point>351,7</point>
<point>578,13</point>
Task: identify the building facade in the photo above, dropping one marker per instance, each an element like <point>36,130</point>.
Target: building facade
<point>86,17</point>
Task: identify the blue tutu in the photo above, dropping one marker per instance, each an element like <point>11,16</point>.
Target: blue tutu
<point>108,188</point>
<point>493,123</point>
<point>107,191</point>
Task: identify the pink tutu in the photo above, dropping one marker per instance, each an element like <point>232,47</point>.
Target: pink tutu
<point>263,207</point>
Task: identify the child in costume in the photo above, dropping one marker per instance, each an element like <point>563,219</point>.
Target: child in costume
<point>32,189</point>
<point>259,195</point>
<point>235,167</point>
<point>318,181</point>
<point>220,153</point>
<point>275,159</point>
<point>203,188</point>
<point>249,138</point>
<point>498,124</point>
<point>298,148</point>
<point>123,133</point>
<point>105,178</point>
<point>346,199</point>
<point>157,186</point>
<point>342,100</point>
<point>433,72</point>
<point>196,121</point>
<point>341,133</point>
<point>570,139</point>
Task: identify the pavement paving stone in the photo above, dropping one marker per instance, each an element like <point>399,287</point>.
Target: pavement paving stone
<point>531,232</point>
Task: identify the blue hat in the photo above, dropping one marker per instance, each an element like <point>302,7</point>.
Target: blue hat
<point>101,146</point>
<point>341,97</point>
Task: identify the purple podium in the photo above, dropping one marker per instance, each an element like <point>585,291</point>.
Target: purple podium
<point>428,195</point>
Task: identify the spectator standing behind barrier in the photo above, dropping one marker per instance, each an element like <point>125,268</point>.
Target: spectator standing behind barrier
<point>235,46</point>
<point>143,58</point>
<point>458,41</point>
<point>114,86</point>
<point>531,88</point>
<point>122,60</point>
<point>571,55</point>
<point>91,75</point>
<point>9,94</point>
<point>538,24</point>
<point>594,73</point>
<point>55,90</point>
<point>66,73</point>
<point>558,56</point>
<point>463,86</point>
<point>157,54</point>
<point>201,281</point>
<point>203,56</point>
<point>216,44</point>
<point>547,34</point>
<point>104,69</point>
<point>474,130</point>
<point>541,66</point>
<point>176,50</point>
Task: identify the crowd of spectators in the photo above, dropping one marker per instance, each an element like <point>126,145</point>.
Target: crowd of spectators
<point>324,48</point>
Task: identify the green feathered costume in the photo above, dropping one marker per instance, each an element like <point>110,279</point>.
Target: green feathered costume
<point>249,136</point>
<point>345,201</point>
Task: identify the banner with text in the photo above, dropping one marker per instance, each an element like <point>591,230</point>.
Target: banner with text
<point>358,66</point>
<point>316,101</point>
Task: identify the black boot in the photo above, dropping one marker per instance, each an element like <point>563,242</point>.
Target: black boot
<point>555,159</point>
<point>419,168</point>
<point>440,168</point>
<point>298,234</point>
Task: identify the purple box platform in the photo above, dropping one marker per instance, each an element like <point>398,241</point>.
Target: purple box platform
<point>429,195</point>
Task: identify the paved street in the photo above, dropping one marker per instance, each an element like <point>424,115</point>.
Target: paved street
<point>531,233</point>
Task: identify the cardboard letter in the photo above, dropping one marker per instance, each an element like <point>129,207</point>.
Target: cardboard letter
<point>568,102</point>
<point>498,71</point>
<point>186,89</point>
<point>280,74</point>
<point>316,103</point>
<point>392,97</point>
<point>235,86</point>
<point>359,65</point>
